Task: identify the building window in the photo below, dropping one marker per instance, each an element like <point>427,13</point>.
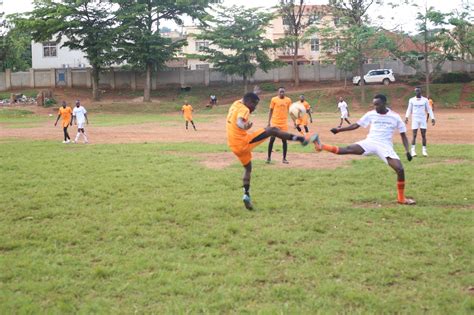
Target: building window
<point>50,49</point>
<point>286,21</point>
<point>314,44</point>
<point>201,45</point>
<point>314,18</point>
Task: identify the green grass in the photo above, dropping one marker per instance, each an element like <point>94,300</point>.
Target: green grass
<point>28,93</point>
<point>134,229</point>
<point>20,118</point>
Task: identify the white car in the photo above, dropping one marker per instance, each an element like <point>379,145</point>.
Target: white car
<point>384,76</point>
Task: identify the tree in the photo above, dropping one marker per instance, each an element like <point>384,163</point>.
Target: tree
<point>462,31</point>
<point>354,39</point>
<point>86,25</point>
<point>297,17</point>
<point>237,42</point>
<point>141,43</point>
<point>15,48</point>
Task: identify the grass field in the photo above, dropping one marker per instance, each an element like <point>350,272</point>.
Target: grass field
<point>138,228</point>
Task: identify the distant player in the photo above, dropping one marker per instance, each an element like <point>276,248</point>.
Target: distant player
<point>344,109</point>
<point>301,123</point>
<point>213,100</point>
<point>418,107</point>
<point>65,112</point>
<point>79,115</point>
<point>278,117</point>
<point>242,143</point>
<point>431,103</point>
<point>383,123</point>
<point>187,110</point>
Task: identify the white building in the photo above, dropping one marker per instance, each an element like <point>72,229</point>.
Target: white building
<point>50,54</point>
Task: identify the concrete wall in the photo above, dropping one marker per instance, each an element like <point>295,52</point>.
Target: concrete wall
<point>122,79</point>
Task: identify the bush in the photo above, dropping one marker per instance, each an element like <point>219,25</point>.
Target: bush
<point>268,87</point>
<point>48,102</point>
<point>453,77</point>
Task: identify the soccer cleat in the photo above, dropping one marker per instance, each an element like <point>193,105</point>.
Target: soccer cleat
<point>317,142</point>
<point>268,161</point>
<point>408,202</point>
<point>285,161</point>
<point>247,202</point>
<point>64,142</point>
<point>413,153</point>
<point>68,141</point>
<point>424,152</point>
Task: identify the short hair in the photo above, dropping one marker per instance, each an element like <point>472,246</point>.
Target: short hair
<point>282,87</point>
<point>381,97</point>
<point>302,95</point>
<point>251,97</point>
<point>418,87</point>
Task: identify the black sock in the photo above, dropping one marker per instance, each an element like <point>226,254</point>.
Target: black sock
<point>247,189</point>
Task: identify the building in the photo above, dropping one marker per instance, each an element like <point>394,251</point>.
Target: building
<point>50,54</point>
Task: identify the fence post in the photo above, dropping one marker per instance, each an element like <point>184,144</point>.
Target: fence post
<point>89,78</point>
<point>133,83</point>
<point>52,78</point>
<point>206,76</point>
<point>112,78</point>
<point>69,77</point>
<point>32,78</point>
<point>8,79</point>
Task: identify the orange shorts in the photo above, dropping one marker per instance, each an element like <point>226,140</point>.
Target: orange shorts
<point>281,127</point>
<point>188,118</point>
<point>66,123</point>
<point>244,152</point>
<point>303,121</point>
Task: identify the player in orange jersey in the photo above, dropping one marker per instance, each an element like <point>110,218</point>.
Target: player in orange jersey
<point>187,110</point>
<point>241,143</point>
<point>278,117</point>
<point>302,122</point>
<point>65,112</point>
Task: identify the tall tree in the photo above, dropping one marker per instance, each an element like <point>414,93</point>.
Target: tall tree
<point>297,18</point>
<point>141,43</point>
<point>353,39</point>
<point>86,25</point>
<point>237,42</point>
<point>15,48</point>
<point>462,30</point>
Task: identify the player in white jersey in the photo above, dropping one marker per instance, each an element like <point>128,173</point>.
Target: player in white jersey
<point>418,107</point>
<point>79,115</point>
<point>383,122</point>
<point>344,109</point>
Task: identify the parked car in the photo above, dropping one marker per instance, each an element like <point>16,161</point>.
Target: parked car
<point>384,76</point>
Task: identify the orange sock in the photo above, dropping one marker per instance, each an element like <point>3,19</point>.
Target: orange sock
<point>330,148</point>
<point>401,190</point>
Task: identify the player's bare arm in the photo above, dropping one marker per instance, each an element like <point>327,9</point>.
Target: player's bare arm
<point>405,144</point>
<point>348,128</point>
<point>310,117</point>
<point>245,125</point>
<point>57,119</point>
<point>270,117</point>
<point>87,119</point>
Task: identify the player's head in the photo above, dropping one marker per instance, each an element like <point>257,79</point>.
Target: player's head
<point>380,102</point>
<point>281,92</point>
<point>418,91</point>
<point>185,102</point>
<point>78,103</point>
<point>341,98</point>
<point>63,103</point>
<point>302,97</point>
<point>251,101</point>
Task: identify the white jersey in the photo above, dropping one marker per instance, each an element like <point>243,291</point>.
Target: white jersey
<point>382,126</point>
<point>418,107</point>
<point>342,107</point>
<point>79,113</point>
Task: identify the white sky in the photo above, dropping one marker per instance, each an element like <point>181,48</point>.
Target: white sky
<point>403,15</point>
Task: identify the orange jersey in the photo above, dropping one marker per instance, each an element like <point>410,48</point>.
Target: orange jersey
<point>66,114</point>
<point>187,112</point>
<point>303,120</point>
<point>280,108</point>
<point>237,137</point>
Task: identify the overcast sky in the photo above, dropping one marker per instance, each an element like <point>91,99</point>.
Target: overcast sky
<point>403,16</point>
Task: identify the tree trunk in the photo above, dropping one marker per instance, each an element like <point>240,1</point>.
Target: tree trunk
<point>362,84</point>
<point>246,84</point>
<point>146,90</point>
<point>95,83</point>
<point>345,79</point>
<point>427,69</point>
<point>296,70</point>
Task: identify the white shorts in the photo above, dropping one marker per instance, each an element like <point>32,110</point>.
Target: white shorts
<point>80,125</point>
<point>382,150</point>
<point>418,124</point>
<point>344,115</point>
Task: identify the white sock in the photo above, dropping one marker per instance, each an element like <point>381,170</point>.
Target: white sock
<point>413,147</point>
<point>85,137</point>
<point>424,148</point>
<point>77,136</point>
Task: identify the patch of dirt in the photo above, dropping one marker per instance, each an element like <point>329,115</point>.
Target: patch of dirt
<point>452,127</point>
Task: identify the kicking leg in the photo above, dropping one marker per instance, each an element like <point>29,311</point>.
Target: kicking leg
<point>397,166</point>
<point>84,135</point>
<point>354,149</point>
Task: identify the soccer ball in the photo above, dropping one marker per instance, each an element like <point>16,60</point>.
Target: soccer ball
<point>297,110</point>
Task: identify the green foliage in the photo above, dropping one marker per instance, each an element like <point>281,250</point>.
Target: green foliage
<point>145,229</point>
<point>48,102</point>
<point>453,77</point>
<point>237,42</point>
<point>15,48</point>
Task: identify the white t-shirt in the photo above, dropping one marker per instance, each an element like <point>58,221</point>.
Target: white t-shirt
<point>79,113</point>
<point>382,126</point>
<point>418,107</point>
<point>342,107</point>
